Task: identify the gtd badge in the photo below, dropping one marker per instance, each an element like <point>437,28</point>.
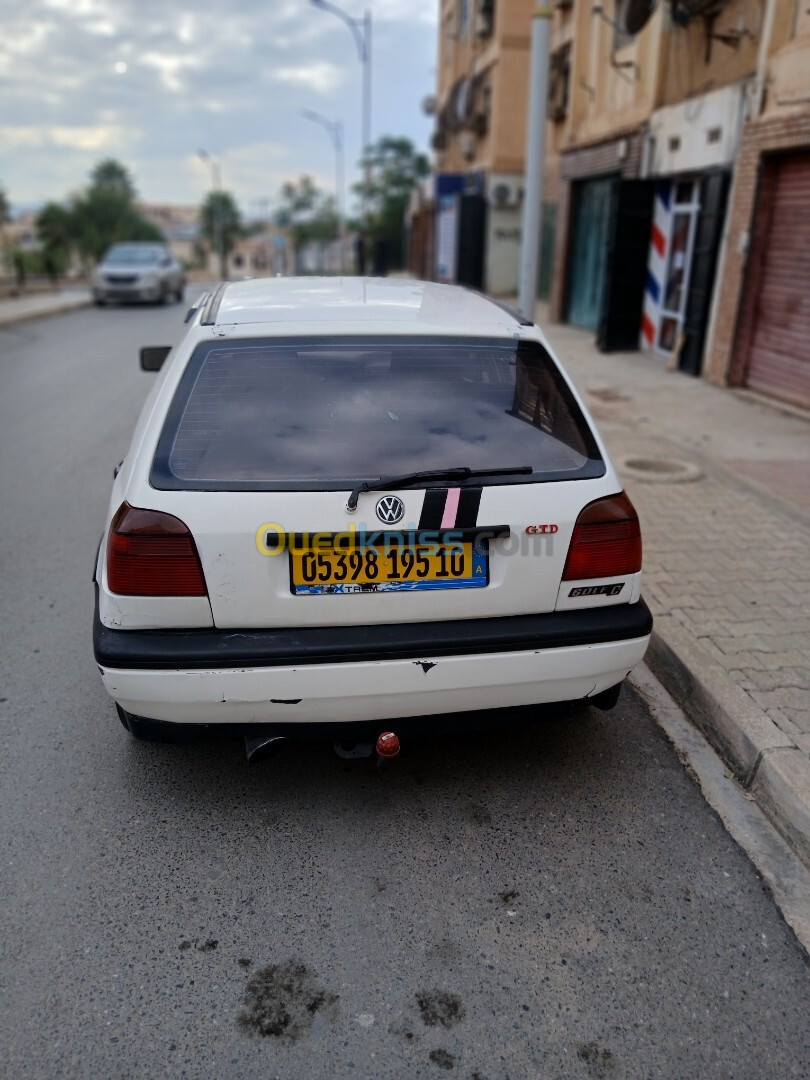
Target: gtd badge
<point>390,510</point>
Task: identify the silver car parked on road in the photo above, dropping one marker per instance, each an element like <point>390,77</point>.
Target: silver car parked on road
<point>138,271</point>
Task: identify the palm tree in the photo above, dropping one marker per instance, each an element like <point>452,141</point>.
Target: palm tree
<point>221,225</point>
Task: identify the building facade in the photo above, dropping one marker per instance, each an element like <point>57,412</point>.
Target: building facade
<point>761,331</point>
<point>676,200</point>
<point>683,184</point>
<point>479,141</point>
<point>180,226</point>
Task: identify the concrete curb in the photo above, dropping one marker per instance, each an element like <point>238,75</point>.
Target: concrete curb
<point>786,877</point>
<point>763,758</point>
<point>63,307</point>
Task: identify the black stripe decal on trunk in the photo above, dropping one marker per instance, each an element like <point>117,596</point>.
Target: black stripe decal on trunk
<point>468,503</point>
<point>433,508</point>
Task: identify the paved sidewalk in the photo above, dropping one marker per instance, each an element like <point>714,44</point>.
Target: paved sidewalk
<point>40,305</point>
<point>726,564</point>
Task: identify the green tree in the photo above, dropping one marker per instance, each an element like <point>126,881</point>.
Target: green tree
<point>105,213</point>
<point>395,166</point>
<point>5,216</point>
<point>221,225</point>
<point>307,213</point>
<point>55,232</point>
<point>111,175</point>
<point>104,216</point>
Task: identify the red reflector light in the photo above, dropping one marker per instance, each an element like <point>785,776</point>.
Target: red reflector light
<point>150,553</point>
<point>606,541</point>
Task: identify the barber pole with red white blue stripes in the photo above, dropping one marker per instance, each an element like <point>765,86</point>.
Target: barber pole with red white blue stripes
<point>656,264</point>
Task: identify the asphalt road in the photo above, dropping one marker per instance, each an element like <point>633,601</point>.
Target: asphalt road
<point>554,902</point>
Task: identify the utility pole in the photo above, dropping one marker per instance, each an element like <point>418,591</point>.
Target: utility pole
<point>361,32</point>
<point>535,154</point>
<point>334,129</point>
<point>218,225</point>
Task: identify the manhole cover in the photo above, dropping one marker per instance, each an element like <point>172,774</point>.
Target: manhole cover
<point>659,470</point>
<point>607,393</point>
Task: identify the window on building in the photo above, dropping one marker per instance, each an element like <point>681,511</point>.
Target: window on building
<point>620,35</point>
<point>463,18</point>
<point>558,83</point>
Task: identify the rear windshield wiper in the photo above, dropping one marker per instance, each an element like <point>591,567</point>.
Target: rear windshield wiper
<point>389,483</point>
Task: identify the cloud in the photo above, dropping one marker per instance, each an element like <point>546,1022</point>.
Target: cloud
<point>96,138</point>
<point>170,67</point>
<point>321,76</point>
<point>424,11</point>
<point>150,81</point>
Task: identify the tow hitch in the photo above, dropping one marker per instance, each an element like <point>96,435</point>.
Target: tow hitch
<point>259,748</point>
<point>386,748</point>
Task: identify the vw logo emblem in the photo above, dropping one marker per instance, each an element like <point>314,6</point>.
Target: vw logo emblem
<point>390,510</point>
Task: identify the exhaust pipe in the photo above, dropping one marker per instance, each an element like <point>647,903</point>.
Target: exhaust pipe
<point>259,748</point>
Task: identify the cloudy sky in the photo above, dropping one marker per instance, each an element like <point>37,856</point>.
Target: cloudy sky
<point>152,81</point>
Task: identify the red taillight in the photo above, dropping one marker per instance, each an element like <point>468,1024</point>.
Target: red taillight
<point>606,541</point>
<point>150,553</point>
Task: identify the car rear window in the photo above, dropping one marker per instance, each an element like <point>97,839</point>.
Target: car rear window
<point>325,413</point>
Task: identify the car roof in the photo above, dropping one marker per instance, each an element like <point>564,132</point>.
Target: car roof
<point>409,304</point>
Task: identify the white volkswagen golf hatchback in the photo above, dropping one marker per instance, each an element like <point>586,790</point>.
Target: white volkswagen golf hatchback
<point>354,505</point>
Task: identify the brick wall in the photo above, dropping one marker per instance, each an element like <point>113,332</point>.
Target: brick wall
<point>791,132</point>
<point>619,155</point>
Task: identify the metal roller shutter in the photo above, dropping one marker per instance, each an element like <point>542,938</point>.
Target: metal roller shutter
<point>775,332</point>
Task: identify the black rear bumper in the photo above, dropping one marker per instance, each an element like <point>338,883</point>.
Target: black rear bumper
<point>190,649</point>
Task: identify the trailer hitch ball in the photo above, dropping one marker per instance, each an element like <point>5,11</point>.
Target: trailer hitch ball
<point>387,748</point>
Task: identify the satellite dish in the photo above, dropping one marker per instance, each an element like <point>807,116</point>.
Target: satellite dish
<point>636,14</point>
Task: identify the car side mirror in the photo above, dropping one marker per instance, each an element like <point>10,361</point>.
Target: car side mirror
<point>152,356</point>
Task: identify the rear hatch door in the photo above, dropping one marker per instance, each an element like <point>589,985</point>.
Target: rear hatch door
<point>267,439</point>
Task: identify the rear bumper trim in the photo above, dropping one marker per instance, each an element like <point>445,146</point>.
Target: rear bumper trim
<point>195,649</point>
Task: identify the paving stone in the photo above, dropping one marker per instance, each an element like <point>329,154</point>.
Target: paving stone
<point>726,564</point>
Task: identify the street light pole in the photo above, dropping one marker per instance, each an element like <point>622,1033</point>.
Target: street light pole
<point>361,32</point>
<point>366,102</point>
<point>217,208</point>
<point>334,130</point>
<point>535,154</point>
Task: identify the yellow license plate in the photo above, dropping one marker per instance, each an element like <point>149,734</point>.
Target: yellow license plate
<point>394,568</point>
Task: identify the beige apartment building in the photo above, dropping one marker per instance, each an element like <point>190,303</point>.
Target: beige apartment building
<point>479,140</point>
<point>677,183</point>
<point>180,226</point>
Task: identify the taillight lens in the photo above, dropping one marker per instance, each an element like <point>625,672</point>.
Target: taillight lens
<point>150,553</point>
<point>606,541</point>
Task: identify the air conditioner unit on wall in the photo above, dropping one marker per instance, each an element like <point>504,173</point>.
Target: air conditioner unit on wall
<point>504,194</point>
